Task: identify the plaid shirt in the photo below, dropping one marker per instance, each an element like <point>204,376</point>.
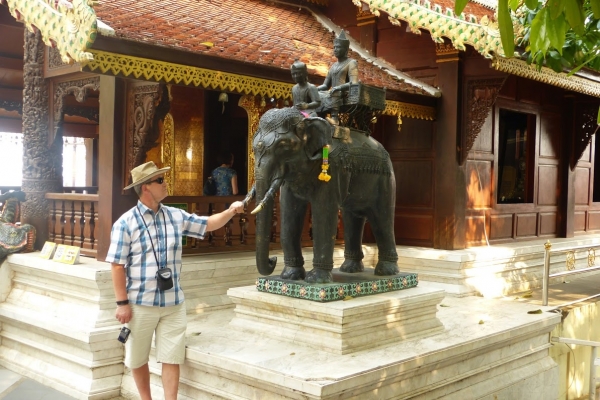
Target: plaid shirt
<point>131,244</point>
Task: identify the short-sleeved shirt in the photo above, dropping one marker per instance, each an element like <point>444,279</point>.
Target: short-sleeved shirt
<point>139,244</point>
<point>222,177</point>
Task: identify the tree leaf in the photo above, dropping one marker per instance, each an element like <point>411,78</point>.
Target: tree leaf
<point>459,6</point>
<point>574,15</point>
<point>513,4</point>
<point>598,121</point>
<point>539,40</point>
<point>532,4</point>
<point>555,7</point>
<point>557,30</point>
<point>505,25</point>
<point>534,312</point>
<point>595,8</point>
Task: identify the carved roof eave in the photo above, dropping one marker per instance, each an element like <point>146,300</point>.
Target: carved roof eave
<point>160,71</point>
<point>546,75</point>
<point>68,26</point>
<point>482,35</point>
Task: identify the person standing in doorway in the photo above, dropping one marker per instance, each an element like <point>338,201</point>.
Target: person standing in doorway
<point>145,240</point>
<point>225,176</point>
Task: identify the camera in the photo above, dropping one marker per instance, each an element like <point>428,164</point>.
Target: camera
<point>124,334</point>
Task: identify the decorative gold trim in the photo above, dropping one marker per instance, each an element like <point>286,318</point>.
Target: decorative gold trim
<point>168,150</point>
<point>483,35</point>
<point>570,260</point>
<point>248,103</point>
<point>399,109</point>
<point>159,71</point>
<point>69,26</point>
<point>518,67</point>
<point>442,49</point>
<point>443,60</point>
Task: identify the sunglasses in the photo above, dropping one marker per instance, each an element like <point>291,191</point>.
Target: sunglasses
<point>157,180</point>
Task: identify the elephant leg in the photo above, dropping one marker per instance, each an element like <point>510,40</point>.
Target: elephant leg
<point>353,232</point>
<point>293,211</point>
<point>324,230</point>
<point>382,225</point>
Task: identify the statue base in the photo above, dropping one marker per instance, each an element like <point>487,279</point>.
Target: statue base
<point>340,327</point>
<point>344,285</point>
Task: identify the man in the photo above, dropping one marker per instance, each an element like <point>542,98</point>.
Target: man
<point>341,74</point>
<point>305,96</point>
<point>143,240</point>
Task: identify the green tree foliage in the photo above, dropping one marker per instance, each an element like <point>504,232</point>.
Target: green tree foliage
<point>560,34</point>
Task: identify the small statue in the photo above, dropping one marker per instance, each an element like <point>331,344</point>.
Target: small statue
<point>304,94</point>
<point>14,237</point>
<point>341,74</point>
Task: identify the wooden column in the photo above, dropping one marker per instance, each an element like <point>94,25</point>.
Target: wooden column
<point>111,202</point>
<point>566,214</point>
<point>450,180</point>
<point>42,152</point>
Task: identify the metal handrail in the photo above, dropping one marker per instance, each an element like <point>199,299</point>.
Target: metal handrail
<point>547,275</point>
<point>594,361</point>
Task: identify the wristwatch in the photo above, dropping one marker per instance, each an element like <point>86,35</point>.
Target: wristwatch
<point>122,302</point>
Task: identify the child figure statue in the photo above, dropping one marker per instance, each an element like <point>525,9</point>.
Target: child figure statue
<point>305,95</point>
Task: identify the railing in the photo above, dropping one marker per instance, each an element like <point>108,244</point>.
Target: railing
<point>594,360</point>
<point>72,220</point>
<point>570,261</point>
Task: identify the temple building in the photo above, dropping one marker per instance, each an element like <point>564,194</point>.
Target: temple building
<point>486,149</point>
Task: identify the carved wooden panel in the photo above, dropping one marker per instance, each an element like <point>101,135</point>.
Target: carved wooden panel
<point>147,104</point>
<point>479,183</point>
<point>414,183</point>
<point>550,135</point>
<point>548,223</point>
<point>593,220</point>
<point>526,225</point>
<point>414,228</point>
<point>582,186</point>
<point>480,96</point>
<point>547,185</point>
<point>579,221</point>
<point>501,226</point>
<point>475,229</point>
<point>585,126</point>
<point>79,88</point>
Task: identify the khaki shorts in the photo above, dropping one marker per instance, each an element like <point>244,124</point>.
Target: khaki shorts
<point>169,323</point>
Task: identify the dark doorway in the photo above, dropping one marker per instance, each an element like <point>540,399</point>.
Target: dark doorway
<point>226,129</point>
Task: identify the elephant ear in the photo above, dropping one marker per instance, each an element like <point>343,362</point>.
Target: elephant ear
<point>316,133</point>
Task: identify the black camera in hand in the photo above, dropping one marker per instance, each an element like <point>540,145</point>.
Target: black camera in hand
<point>124,334</point>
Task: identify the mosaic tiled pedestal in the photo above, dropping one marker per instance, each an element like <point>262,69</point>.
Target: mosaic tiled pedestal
<point>344,285</point>
<point>339,327</point>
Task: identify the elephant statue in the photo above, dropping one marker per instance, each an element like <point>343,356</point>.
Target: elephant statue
<point>288,151</point>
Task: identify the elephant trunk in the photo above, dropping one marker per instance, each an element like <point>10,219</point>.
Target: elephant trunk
<point>264,198</point>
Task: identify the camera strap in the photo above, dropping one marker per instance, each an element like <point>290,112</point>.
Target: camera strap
<point>157,235</point>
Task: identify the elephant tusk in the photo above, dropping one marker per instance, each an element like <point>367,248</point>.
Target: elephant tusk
<point>257,209</point>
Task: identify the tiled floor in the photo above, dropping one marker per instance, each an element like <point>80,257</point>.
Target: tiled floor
<point>16,387</point>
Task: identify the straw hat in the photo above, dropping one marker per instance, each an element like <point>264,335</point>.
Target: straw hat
<point>145,172</point>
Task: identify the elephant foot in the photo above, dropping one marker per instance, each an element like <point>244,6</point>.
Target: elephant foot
<point>386,268</point>
<point>319,276</point>
<point>352,266</point>
<point>293,273</point>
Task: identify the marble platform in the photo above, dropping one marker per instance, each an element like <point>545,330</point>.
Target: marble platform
<point>57,326</point>
<point>488,349</point>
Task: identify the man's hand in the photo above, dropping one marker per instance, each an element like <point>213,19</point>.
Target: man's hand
<point>123,313</point>
<point>236,207</point>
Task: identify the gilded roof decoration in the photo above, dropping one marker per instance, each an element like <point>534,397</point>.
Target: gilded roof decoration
<point>482,34</point>
<point>518,67</point>
<point>70,26</point>
<point>159,71</point>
